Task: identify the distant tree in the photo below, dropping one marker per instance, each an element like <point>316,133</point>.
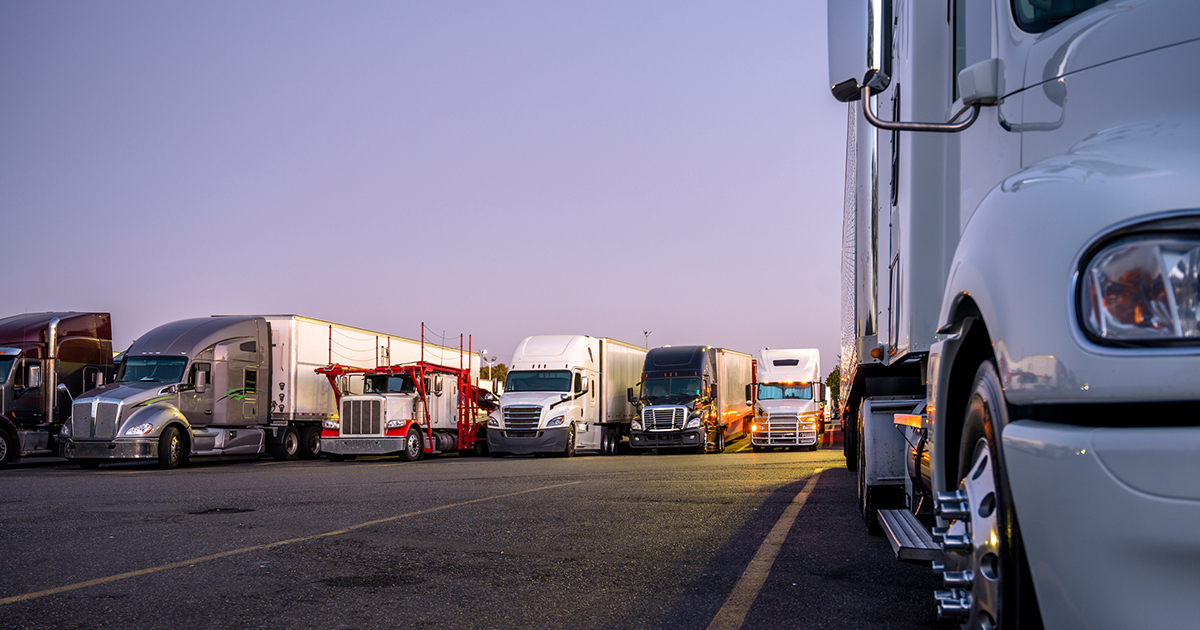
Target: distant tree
<point>833,383</point>
<point>498,372</point>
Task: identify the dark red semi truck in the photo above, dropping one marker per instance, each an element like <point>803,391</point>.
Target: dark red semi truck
<point>46,360</point>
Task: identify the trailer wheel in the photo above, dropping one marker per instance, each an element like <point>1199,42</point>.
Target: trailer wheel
<point>1001,589</point>
<point>412,446</point>
<point>170,449</point>
<point>88,464</point>
<point>310,442</point>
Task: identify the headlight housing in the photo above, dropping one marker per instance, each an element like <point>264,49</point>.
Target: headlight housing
<point>65,429</point>
<point>555,422</point>
<point>394,424</point>
<point>1143,289</point>
<point>636,425</point>
<point>493,422</point>
<point>141,429</point>
<point>331,424</point>
<point>692,423</point>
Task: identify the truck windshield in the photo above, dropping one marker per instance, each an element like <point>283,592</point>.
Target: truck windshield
<point>538,381</point>
<point>664,389</point>
<point>6,363</point>
<point>778,391</point>
<point>389,384</point>
<point>152,370</point>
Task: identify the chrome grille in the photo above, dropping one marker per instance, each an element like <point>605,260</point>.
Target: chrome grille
<point>784,429</point>
<point>103,424</point>
<point>522,416</point>
<point>362,417</point>
<point>664,418</point>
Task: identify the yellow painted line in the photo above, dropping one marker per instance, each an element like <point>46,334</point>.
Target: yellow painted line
<point>733,612</point>
<point>280,543</point>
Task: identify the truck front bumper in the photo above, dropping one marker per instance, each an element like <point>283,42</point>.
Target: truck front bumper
<point>775,436</point>
<point>138,448</point>
<point>1110,518</point>
<point>363,446</point>
<point>690,438</point>
<point>527,442</point>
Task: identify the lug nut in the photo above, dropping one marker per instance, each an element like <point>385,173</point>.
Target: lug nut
<point>958,579</point>
<point>953,604</point>
<point>953,505</point>
<point>957,542</point>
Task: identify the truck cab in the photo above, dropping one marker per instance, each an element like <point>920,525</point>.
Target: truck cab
<point>678,401</point>
<point>789,399</point>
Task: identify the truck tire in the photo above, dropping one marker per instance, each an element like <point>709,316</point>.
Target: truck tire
<point>8,448</point>
<point>605,439</point>
<point>850,446</point>
<point>756,448</point>
<point>569,449</point>
<point>88,464</point>
<point>288,448</point>
<point>1002,595</point>
<point>310,442</point>
<point>720,443</point>
<point>170,449</point>
<point>335,457</point>
<point>413,450</point>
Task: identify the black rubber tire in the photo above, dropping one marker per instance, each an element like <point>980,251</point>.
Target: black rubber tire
<point>8,447</point>
<point>496,455</point>
<point>414,449</point>
<point>288,448</point>
<point>171,447</point>
<point>335,457</point>
<point>756,448</point>
<point>849,445</point>
<point>702,447</point>
<point>720,442</point>
<point>310,442</point>
<point>638,451</point>
<point>985,416</point>
<point>813,446</point>
<point>569,449</point>
<point>88,464</point>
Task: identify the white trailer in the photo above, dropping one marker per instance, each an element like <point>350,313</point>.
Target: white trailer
<point>566,394</point>
<point>789,400</point>
<point>1020,293</point>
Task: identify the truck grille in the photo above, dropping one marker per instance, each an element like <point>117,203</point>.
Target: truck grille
<point>664,418</point>
<point>784,430</point>
<point>522,416</point>
<point>362,417</point>
<point>102,424</point>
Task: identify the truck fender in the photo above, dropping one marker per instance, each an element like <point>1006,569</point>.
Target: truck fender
<point>160,416</point>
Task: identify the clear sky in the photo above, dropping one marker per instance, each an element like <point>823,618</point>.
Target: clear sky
<point>502,169</point>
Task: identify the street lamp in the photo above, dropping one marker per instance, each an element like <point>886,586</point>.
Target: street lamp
<point>647,334</point>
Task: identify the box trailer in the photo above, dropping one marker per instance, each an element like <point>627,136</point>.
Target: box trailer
<point>224,385</point>
<point>566,394</point>
<point>789,399</point>
<point>691,397</point>
<point>46,360</point>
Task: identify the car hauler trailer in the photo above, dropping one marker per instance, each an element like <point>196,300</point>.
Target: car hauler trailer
<point>1020,298</point>
<point>789,400</point>
<point>691,397</point>
<point>566,394</point>
<point>412,410</point>
<point>224,385</point>
<point>46,359</point>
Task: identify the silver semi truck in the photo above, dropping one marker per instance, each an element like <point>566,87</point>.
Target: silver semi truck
<point>223,385</point>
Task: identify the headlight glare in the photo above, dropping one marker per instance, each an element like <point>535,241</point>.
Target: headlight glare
<point>1143,289</point>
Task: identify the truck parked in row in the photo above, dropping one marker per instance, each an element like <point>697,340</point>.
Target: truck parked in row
<point>691,397</point>
<point>46,360</point>
<point>410,410</point>
<point>1020,293</point>
<point>565,394</point>
<point>789,400</point>
<point>223,385</point>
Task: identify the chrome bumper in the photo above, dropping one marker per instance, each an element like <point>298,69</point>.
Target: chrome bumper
<point>141,448</point>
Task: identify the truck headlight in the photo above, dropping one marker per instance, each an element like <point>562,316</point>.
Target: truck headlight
<point>141,429</point>
<point>394,424</point>
<point>693,423</point>
<point>1143,289</point>
<point>555,422</point>
<point>493,422</point>
<point>636,425</point>
<point>808,426</point>
<point>65,430</point>
<point>331,424</point>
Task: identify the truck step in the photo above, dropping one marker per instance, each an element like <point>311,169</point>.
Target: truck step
<point>910,540</point>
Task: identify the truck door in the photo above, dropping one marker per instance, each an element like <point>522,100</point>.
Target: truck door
<point>587,431</point>
<point>197,407</point>
<point>235,381</point>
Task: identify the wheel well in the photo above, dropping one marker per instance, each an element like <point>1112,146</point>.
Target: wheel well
<point>975,349</point>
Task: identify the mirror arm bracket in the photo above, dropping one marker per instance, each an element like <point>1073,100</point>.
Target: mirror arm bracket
<point>948,127</point>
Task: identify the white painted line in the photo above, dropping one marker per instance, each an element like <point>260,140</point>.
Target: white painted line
<point>733,612</point>
<point>280,543</point>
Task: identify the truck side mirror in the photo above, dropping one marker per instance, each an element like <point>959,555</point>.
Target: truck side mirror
<point>749,393</point>
<point>34,378</point>
<point>629,396</point>
<point>201,381</point>
<point>62,389</point>
<point>860,46</point>
<point>98,379</point>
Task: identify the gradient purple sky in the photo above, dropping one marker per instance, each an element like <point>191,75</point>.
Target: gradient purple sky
<point>502,169</point>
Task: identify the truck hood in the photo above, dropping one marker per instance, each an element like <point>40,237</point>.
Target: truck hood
<point>131,394</point>
<point>544,399</point>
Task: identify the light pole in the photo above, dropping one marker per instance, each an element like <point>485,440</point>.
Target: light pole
<point>489,363</point>
<point>647,334</point>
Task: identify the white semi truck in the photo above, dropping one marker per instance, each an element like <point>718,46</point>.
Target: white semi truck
<point>1021,290</point>
<point>566,394</point>
<point>789,399</point>
<point>224,385</point>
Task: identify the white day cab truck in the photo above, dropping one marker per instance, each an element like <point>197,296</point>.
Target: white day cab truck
<point>1021,301</point>
<point>692,398</point>
<point>789,400</point>
<point>224,385</point>
<point>566,394</point>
